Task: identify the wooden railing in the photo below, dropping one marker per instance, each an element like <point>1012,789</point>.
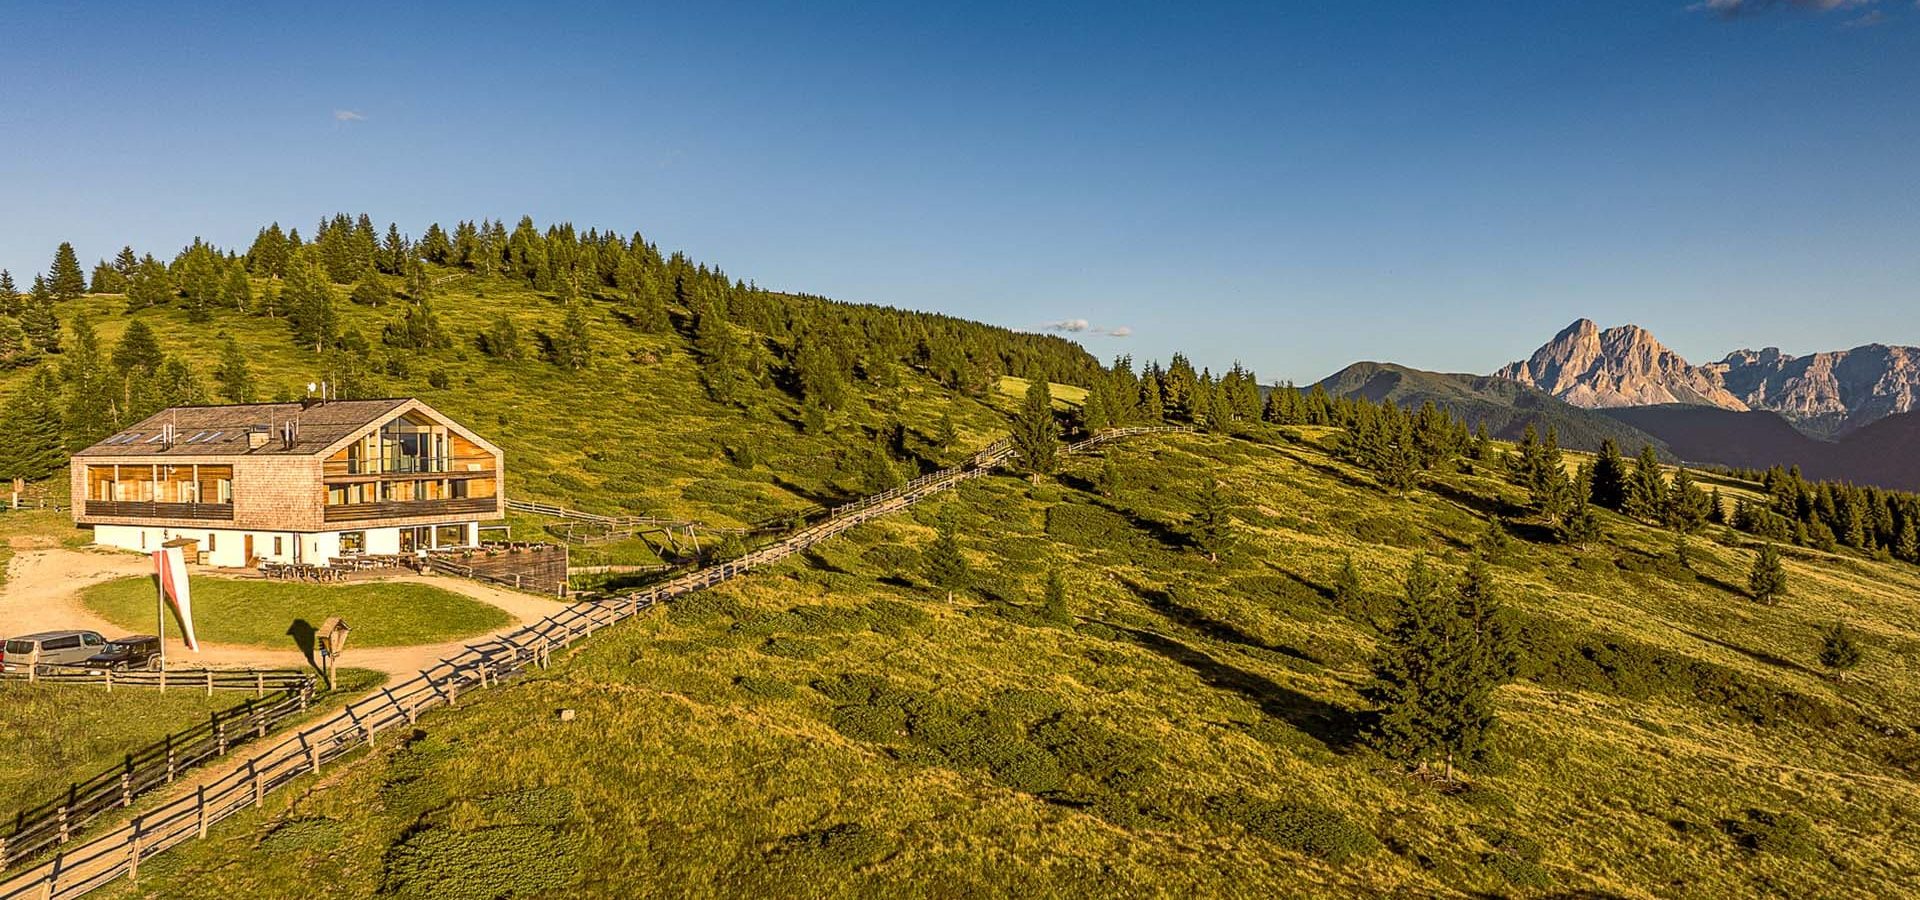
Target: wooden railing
<point>120,852</point>
<point>147,509</point>
<point>259,681</point>
<point>31,833</point>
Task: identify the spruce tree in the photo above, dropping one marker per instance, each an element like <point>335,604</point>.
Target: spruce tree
<point>88,413</point>
<point>1054,606</point>
<point>1610,476</point>
<point>502,340</point>
<point>138,351</point>
<point>1646,491</point>
<point>233,374</point>
<point>1839,648</point>
<point>1907,546</point>
<point>39,321</point>
<point>107,280</point>
<point>1436,669</point>
<point>1212,527</point>
<point>237,292</point>
<point>1685,507</point>
<point>308,299</point>
<point>34,448</point>
<point>1036,437</point>
<point>947,567</point>
<point>11,302</point>
<point>573,346</point>
<point>65,280</point>
<point>1767,580</point>
<point>1349,594</point>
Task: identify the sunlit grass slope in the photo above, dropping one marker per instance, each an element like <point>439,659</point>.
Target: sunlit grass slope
<point>835,727</point>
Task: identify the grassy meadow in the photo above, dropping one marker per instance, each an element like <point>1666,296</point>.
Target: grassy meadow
<point>60,734</point>
<point>276,614</point>
<point>837,728</point>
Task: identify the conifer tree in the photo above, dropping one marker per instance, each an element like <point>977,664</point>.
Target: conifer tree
<point>308,299</point>
<point>233,374</point>
<point>107,280</point>
<point>573,346</point>
<point>15,349</point>
<point>370,290</point>
<point>1436,669</point>
<point>237,292</point>
<point>34,448</point>
<point>1349,595</point>
<point>502,340</point>
<point>1685,506</point>
<point>947,567</point>
<point>65,279</point>
<point>1054,605</point>
<point>177,385</point>
<point>1908,545</point>
<point>1610,476</point>
<point>11,303</point>
<point>1839,648</point>
<point>150,285</point>
<point>88,413</point>
<point>1111,480</point>
<point>1212,527</point>
<point>38,320</point>
<point>945,436</point>
<point>138,351</point>
<point>1036,437</point>
<point>1646,492</point>
<point>1767,580</point>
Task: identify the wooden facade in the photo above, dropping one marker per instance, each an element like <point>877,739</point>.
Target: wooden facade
<point>318,480</point>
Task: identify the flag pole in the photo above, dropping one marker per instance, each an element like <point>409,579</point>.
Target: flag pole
<point>160,618</point>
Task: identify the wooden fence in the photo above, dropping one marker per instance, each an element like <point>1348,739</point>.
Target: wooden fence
<point>51,825</point>
<point>258,681</point>
<point>119,853</point>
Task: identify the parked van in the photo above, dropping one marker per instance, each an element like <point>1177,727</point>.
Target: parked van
<point>56,648</point>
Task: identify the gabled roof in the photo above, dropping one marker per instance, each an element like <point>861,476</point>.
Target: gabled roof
<point>222,430</point>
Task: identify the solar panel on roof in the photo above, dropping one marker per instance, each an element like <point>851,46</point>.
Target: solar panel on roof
<point>154,438</point>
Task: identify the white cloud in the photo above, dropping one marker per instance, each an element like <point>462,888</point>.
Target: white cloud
<point>1083,326</point>
<point>1733,9</point>
<point>348,115</point>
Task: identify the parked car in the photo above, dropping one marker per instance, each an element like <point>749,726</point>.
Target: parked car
<point>56,648</point>
<point>141,651</point>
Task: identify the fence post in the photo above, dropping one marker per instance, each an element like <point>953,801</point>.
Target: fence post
<point>313,753</point>
<point>201,802</point>
<point>259,684</point>
<point>109,681</point>
<point>63,823</point>
<point>209,681</point>
<point>133,852</point>
<point>126,785</point>
<point>219,735</point>
<point>259,789</point>
<point>170,759</point>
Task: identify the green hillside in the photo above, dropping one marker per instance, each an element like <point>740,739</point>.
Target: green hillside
<point>1506,407</point>
<point>1186,727</point>
<point>1158,723</point>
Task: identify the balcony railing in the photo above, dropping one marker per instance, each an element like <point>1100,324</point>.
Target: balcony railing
<point>408,465</point>
<point>409,509</point>
<point>145,509</point>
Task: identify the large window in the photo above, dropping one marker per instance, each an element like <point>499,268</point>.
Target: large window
<point>353,542</point>
<point>149,483</point>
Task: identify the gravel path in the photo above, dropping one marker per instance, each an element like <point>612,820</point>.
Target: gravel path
<point>43,589</point>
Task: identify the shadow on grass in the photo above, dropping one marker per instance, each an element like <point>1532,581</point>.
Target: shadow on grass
<point>1168,536</point>
<point>1199,622</point>
<point>303,632</point>
<point>1472,502</point>
<point>1336,727</point>
<point>1759,656</point>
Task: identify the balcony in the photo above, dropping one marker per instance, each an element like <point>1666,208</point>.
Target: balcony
<point>410,509</point>
<point>142,509</point>
<point>407,466</point>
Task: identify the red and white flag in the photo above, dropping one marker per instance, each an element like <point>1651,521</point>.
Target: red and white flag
<point>171,565</point>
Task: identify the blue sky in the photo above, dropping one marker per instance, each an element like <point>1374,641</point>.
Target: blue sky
<point>1295,185</point>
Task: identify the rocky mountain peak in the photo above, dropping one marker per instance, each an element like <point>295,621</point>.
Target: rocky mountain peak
<point>1824,394</point>
<point>1621,366</point>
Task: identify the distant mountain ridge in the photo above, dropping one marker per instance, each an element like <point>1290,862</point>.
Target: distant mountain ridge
<point>1824,395</point>
<point>1879,454</point>
<point>1505,407</point>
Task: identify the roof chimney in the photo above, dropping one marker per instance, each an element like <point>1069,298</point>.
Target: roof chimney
<point>257,436</point>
